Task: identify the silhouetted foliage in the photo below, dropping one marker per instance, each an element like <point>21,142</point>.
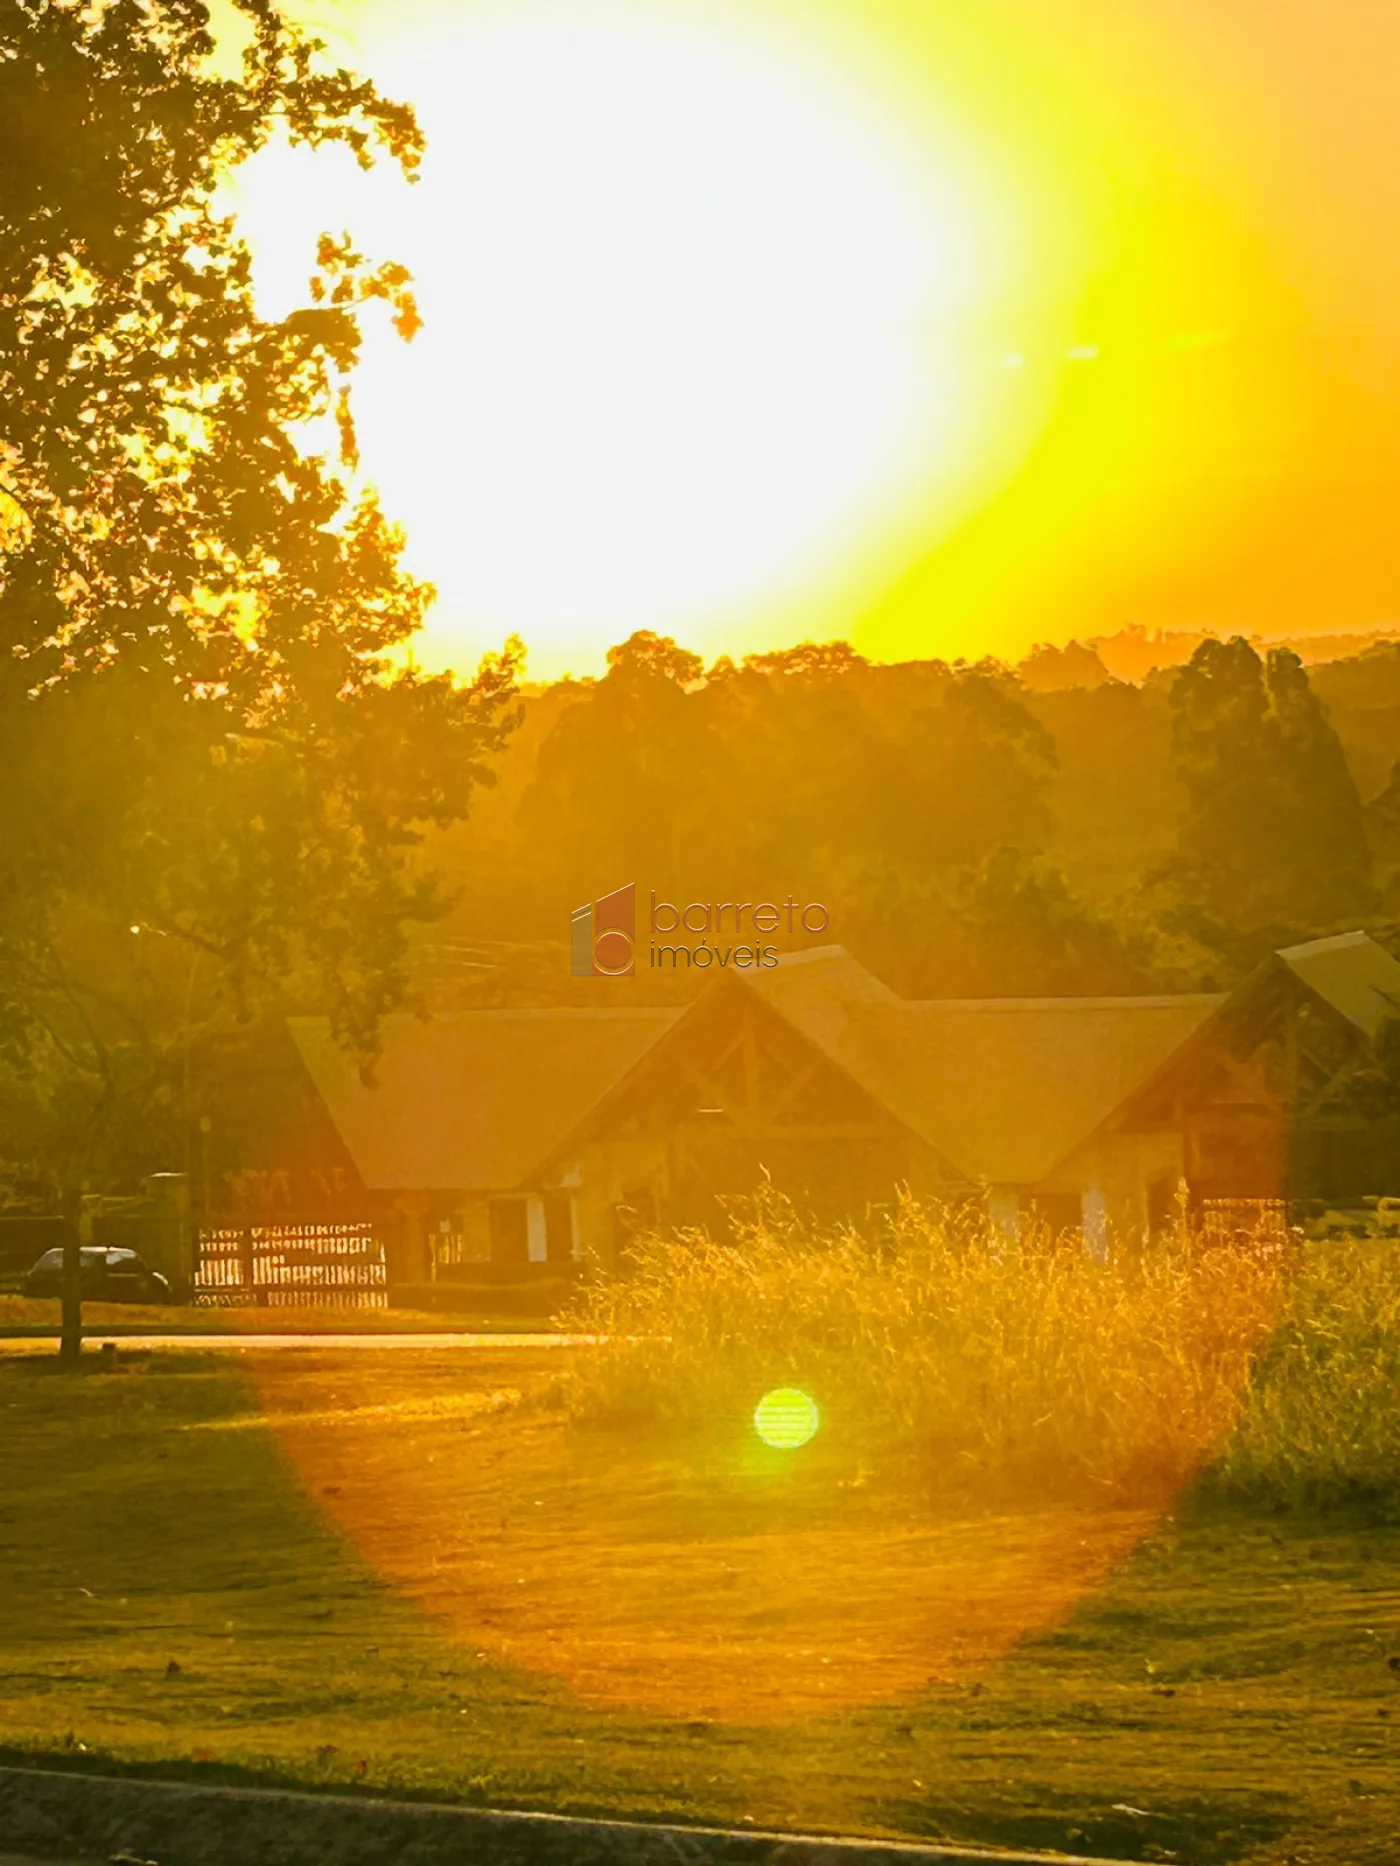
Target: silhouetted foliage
<point>624,768</point>
<point>970,835</point>
<point>1009,926</point>
<point>976,765</point>
<point>205,749</point>
<point>791,770</point>
<point>1272,831</point>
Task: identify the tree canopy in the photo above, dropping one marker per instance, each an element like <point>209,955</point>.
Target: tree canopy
<point>971,835</point>
<point>206,739</point>
<point>1272,827</point>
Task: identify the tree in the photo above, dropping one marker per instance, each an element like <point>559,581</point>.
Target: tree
<point>1007,926</point>
<point>975,773</point>
<point>753,778</point>
<point>1049,669</point>
<point>824,658</point>
<point>1272,832</point>
<point>803,770</point>
<point>202,733</point>
<point>621,777</point>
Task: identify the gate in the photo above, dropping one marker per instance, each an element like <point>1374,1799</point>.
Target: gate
<point>1262,1223</point>
<point>318,1263</point>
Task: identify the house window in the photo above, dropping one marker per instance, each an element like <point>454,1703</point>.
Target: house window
<point>510,1237</point>
<point>533,1230</point>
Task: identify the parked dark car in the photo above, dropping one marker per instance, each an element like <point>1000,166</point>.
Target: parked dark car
<point>23,1235</point>
<point>108,1275</point>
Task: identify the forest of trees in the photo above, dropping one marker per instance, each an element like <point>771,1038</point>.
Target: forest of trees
<point>970,834</point>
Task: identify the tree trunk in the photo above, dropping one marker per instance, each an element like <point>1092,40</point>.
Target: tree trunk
<point>70,1346</point>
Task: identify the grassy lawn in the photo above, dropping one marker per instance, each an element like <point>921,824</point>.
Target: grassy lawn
<point>406,1572</point>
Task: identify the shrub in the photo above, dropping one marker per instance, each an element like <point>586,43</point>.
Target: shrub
<point>1322,1414</point>
<point>931,1341</point>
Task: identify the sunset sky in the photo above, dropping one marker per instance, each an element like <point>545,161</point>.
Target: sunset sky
<point>944,328</point>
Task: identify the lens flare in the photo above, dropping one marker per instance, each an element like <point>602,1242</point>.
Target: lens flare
<point>786,1419</point>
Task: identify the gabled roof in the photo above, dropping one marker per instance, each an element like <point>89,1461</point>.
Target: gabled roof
<point>472,1101</point>
<point>1007,1089</point>
<point>1003,1088</point>
<point>817,991</point>
<point>1351,973</point>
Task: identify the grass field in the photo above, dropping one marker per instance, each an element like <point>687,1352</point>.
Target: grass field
<point>403,1571</point>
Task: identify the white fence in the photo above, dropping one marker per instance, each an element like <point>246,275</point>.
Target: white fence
<point>315,1263</point>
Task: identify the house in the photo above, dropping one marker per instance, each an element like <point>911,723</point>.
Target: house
<point>519,1137</point>
<point>1261,1098</point>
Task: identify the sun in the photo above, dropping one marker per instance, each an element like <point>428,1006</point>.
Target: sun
<point>692,301</point>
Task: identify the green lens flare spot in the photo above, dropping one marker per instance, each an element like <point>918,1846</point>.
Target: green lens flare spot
<point>786,1418</point>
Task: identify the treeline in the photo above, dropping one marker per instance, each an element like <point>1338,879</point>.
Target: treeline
<point>970,834</point>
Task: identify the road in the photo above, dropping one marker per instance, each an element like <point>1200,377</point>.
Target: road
<point>202,1338</point>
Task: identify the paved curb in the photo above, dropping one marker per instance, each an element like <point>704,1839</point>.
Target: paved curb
<point>137,1331</point>
<point>54,1813</point>
<point>195,1341</point>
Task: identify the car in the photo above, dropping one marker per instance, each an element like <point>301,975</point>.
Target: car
<point>109,1274</point>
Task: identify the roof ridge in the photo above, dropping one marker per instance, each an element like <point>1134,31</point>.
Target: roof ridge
<point>1139,1001</point>
<point>1330,942</point>
<point>806,954</point>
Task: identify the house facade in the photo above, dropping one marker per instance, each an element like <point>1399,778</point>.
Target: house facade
<point>543,1138</point>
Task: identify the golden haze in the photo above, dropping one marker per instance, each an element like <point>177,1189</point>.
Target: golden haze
<point>946,330</point>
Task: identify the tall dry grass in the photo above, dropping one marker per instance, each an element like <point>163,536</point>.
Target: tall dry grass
<point>1322,1413</point>
<point>933,1342</point>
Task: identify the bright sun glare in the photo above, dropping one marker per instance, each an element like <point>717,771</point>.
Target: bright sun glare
<point>691,310</point>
